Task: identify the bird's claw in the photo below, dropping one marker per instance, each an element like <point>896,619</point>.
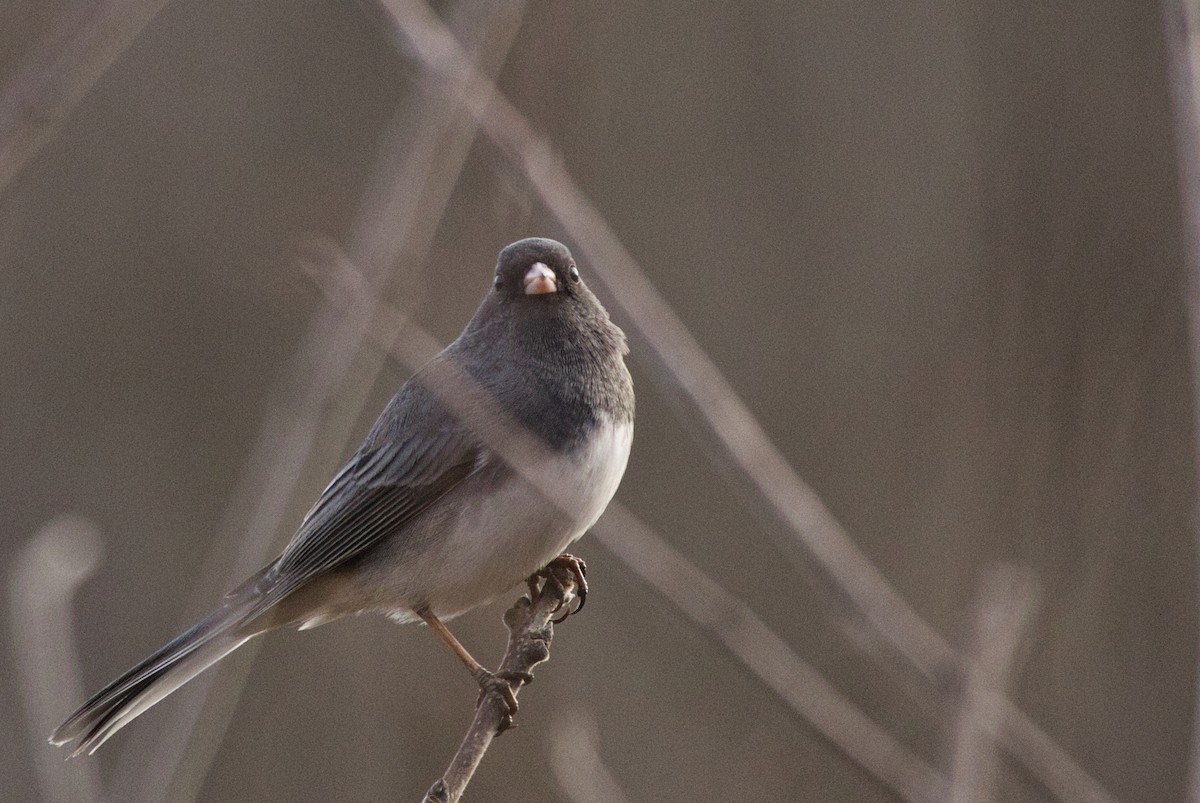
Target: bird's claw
<point>502,686</point>
<point>578,569</point>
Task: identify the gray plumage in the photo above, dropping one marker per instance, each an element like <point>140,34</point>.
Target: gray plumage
<point>424,516</point>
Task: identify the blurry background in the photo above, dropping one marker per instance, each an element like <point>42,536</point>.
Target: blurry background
<point>936,247</point>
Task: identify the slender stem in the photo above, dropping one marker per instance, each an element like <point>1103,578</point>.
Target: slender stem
<point>1006,607</point>
<point>530,631</point>
<point>1181,20</point>
<point>42,581</point>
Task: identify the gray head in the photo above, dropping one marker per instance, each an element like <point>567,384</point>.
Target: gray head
<point>534,267</point>
<point>539,299</point>
<point>544,345</point>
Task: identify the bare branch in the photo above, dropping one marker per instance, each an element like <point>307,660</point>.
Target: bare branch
<point>42,583</point>
<point>530,632</point>
<point>682,364</point>
<point>1006,604</point>
<point>1181,22</point>
<point>578,767</point>
<point>688,372</point>
<point>764,653</point>
<point>1046,760</point>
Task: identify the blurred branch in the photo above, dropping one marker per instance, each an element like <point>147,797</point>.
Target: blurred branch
<point>1181,20</point>
<point>43,580</point>
<point>748,639</point>
<point>420,160</point>
<point>698,596</point>
<point>60,70</point>
<point>530,632</point>
<point>578,767</point>
<point>1006,604</point>
<point>681,362</point>
<point>686,369</point>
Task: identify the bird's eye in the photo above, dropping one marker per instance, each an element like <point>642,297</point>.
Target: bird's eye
<point>499,282</point>
<point>574,274</point>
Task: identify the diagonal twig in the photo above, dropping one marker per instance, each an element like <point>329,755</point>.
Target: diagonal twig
<point>688,372</point>
<point>748,639</point>
<point>1006,605</point>
<point>679,359</point>
<point>675,352</point>
<point>1181,24</point>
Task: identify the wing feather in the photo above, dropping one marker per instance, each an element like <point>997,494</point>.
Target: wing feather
<point>415,454</point>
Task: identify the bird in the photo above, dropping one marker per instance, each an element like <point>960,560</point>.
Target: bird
<point>428,519</point>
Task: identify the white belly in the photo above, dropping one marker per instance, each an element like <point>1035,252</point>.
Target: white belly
<point>496,537</point>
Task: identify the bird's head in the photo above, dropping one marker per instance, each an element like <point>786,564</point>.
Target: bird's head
<point>536,270</point>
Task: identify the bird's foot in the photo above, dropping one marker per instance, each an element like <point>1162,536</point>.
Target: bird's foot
<point>564,562</point>
<point>502,686</point>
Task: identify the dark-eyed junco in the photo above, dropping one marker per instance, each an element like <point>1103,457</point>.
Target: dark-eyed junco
<point>427,520</point>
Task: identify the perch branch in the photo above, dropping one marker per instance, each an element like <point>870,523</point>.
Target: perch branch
<point>530,630</point>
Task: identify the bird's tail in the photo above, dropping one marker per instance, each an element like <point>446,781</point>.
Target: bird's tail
<point>175,663</point>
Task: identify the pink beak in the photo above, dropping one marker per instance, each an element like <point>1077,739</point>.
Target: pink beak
<point>540,279</point>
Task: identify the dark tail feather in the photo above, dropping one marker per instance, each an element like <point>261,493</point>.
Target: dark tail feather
<point>174,664</point>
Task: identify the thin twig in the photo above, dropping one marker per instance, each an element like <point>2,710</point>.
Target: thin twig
<point>530,631</point>
<point>679,360</point>
<point>748,639</point>
<point>578,766</point>
<point>701,598</point>
<point>60,70</point>
<point>686,371</point>
<point>1181,23</point>
<point>43,580</point>
<point>1006,605</point>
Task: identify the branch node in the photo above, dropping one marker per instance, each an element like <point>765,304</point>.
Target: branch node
<point>530,631</point>
<point>438,793</point>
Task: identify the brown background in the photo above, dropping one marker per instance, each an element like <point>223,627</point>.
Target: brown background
<point>936,247</point>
